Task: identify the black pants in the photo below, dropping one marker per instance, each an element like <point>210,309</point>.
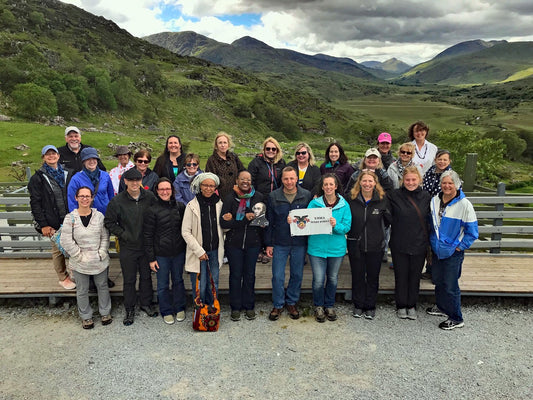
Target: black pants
<point>407,271</point>
<point>131,262</point>
<point>365,278</point>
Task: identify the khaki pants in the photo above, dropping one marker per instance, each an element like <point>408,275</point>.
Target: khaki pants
<point>58,259</point>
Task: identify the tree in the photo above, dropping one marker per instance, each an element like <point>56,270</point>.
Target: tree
<point>515,146</point>
<point>67,104</point>
<point>33,101</point>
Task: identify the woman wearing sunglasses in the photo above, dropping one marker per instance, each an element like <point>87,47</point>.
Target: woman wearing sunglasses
<point>406,152</point>
<point>266,167</point>
<point>304,163</point>
<point>142,159</point>
<point>182,184</point>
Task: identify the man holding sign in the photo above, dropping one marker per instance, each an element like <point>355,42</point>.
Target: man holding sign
<point>280,244</point>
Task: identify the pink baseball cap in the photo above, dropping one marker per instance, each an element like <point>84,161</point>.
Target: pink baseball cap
<point>384,137</point>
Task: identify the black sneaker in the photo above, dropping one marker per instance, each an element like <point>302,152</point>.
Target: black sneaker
<point>250,315</point>
<point>435,311</point>
<point>320,315</point>
<point>448,325</point>
<point>357,313</point>
<point>370,314</point>
<point>129,318</point>
<point>235,316</point>
<point>149,310</point>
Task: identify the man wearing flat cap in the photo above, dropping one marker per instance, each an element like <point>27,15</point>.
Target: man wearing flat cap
<point>124,219</point>
<point>70,153</point>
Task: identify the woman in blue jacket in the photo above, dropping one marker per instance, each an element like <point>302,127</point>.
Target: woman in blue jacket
<point>94,178</point>
<point>327,251</point>
<point>454,229</point>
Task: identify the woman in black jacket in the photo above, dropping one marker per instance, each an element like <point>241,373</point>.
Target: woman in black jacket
<point>165,249</point>
<point>243,242</point>
<point>366,241</point>
<point>304,163</point>
<point>266,167</point>
<point>409,239</point>
<point>49,205</point>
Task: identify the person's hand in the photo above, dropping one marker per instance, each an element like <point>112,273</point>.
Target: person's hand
<point>48,231</point>
<point>204,257</point>
<point>102,254</point>
<point>154,266</point>
<point>227,217</point>
<point>289,219</point>
<point>269,251</point>
<point>249,216</point>
<point>333,222</point>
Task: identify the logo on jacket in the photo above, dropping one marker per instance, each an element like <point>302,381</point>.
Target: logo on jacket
<point>300,221</point>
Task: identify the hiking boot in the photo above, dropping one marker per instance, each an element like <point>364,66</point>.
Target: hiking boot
<point>435,311</point>
<point>331,315</point>
<point>235,315</point>
<point>107,319</point>
<point>87,323</point>
<point>370,314</point>
<point>129,318</point>
<point>320,315</point>
<point>169,319</point>
<point>249,314</point>
<point>275,314</point>
<point>357,313</point>
<point>401,313</point>
<point>67,284</point>
<point>149,310</point>
<point>411,313</point>
<point>180,316</point>
<point>293,311</point>
<point>448,325</point>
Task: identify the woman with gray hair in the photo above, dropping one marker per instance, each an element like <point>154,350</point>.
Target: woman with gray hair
<point>202,232</point>
<point>453,230</point>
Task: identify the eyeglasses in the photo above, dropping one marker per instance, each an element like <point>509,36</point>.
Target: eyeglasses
<point>208,186</point>
<point>271,149</point>
<point>84,197</point>
<point>406,152</point>
<point>143,161</point>
<point>164,189</point>
<point>301,153</point>
<point>191,164</point>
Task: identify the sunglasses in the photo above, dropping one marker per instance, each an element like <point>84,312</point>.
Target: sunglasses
<point>271,149</point>
<point>143,161</point>
<point>191,164</point>
<point>406,152</point>
<point>301,153</point>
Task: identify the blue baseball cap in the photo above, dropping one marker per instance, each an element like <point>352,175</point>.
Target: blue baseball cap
<point>49,147</point>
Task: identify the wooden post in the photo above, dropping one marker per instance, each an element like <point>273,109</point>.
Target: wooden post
<point>500,191</point>
<point>470,172</point>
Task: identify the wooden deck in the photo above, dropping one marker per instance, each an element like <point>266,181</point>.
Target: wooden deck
<point>496,275</point>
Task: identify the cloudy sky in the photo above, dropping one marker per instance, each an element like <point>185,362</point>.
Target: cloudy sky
<point>410,30</point>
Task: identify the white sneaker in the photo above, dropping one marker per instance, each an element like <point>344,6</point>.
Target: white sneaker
<point>180,316</point>
<point>169,319</point>
<point>67,284</point>
<point>411,313</point>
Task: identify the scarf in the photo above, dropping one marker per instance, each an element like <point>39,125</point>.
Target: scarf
<point>94,176</point>
<point>57,175</point>
<point>244,201</point>
<point>401,167</point>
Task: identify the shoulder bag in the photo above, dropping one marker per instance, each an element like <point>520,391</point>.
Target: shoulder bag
<point>206,317</point>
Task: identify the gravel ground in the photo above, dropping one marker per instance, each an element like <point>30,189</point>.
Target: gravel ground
<point>45,354</point>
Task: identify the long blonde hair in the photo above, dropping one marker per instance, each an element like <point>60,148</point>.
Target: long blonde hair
<point>309,151</point>
<point>357,187</point>
<point>279,153</point>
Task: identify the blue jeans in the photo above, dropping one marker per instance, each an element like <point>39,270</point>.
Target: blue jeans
<point>242,277</point>
<point>171,300</point>
<point>325,269</point>
<point>446,274</point>
<point>205,283</point>
<point>296,263</point>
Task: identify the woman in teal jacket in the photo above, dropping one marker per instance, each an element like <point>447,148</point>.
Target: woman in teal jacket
<point>327,251</point>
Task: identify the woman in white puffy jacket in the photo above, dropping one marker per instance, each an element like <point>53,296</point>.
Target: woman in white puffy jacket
<point>86,240</point>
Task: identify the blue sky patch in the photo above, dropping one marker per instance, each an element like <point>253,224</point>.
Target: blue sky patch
<point>242,19</point>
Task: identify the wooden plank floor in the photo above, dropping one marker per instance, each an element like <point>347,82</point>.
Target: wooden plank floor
<point>482,275</point>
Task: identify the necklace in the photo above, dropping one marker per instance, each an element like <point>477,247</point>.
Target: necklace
<point>425,151</point>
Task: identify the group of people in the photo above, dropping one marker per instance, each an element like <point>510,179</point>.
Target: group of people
<point>186,219</point>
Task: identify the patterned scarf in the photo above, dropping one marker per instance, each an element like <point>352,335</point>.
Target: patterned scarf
<point>402,167</point>
<point>94,176</point>
<point>57,175</point>
<point>244,201</point>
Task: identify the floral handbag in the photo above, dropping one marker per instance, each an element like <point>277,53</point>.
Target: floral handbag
<point>206,317</point>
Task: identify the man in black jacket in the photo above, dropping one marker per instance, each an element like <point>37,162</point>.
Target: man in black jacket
<point>48,202</point>
<point>70,154</point>
<point>124,219</point>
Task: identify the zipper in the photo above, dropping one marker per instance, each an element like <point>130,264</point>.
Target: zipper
<point>210,224</point>
<point>244,237</point>
<point>366,240</point>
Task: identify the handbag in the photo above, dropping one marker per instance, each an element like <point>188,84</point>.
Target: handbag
<point>429,250</point>
<point>56,237</point>
<point>206,317</point>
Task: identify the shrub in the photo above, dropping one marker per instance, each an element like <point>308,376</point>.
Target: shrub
<point>33,101</point>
